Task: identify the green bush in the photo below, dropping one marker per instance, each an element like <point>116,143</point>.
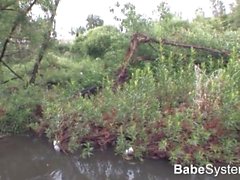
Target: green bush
<point>185,105</point>
<point>98,41</point>
<point>20,108</point>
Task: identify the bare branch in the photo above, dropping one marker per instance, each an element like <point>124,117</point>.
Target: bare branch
<point>10,69</point>
<point>138,38</point>
<point>214,52</point>
<point>6,42</point>
<point>4,82</point>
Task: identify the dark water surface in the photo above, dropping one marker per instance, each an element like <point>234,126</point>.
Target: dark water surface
<point>28,158</point>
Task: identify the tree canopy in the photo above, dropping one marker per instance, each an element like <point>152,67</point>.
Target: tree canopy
<point>93,21</point>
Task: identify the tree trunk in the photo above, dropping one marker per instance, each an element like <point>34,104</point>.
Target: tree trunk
<point>45,44</point>
<point>7,40</point>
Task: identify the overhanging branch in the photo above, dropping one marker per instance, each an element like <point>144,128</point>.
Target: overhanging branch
<point>7,40</point>
<point>10,69</point>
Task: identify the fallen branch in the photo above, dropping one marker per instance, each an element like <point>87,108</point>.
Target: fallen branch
<point>138,38</point>
<point>214,52</point>
<point>92,90</point>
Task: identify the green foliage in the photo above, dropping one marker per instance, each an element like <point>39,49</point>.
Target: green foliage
<point>62,47</point>
<point>122,143</point>
<point>163,12</point>
<point>87,150</point>
<point>78,31</point>
<point>93,21</point>
<point>19,106</point>
<point>79,45</point>
<point>27,35</point>
<point>218,8</point>
<point>232,19</point>
<point>98,41</point>
<point>72,74</point>
<point>185,105</point>
<point>131,22</point>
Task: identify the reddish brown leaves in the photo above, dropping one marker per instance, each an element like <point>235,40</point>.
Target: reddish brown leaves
<point>187,126</point>
<point>100,136</point>
<point>38,111</point>
<point>2,112</point>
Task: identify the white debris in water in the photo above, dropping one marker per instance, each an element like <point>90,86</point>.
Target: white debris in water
<point>56,146</point>
<point>130,174</point>
<point>129,151</point>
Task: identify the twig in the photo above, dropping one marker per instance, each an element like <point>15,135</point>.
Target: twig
<point>156,50</point>
<point>10,69</point>
<point>4,82</point>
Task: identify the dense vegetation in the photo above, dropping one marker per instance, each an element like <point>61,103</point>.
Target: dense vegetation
<point>181,104</point>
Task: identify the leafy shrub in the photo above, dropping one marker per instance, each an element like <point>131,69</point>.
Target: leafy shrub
<point>98,41</point>
<point>20,108</point>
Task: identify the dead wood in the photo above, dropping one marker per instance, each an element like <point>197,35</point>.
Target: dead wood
<point>212,51</point>
<point>139,38</point>
<point>91,90</point>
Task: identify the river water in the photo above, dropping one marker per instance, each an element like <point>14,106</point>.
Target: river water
<point>29,158</point>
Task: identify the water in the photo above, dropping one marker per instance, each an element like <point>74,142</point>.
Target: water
<point>28,158</point>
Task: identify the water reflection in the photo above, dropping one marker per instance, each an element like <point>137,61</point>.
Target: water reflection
<point>27,158</point>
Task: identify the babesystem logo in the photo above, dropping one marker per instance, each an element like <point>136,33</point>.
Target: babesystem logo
<point>207,169</point>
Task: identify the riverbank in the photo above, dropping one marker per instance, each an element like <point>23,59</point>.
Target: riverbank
<point>153,113</point>
<point>42,162</point>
